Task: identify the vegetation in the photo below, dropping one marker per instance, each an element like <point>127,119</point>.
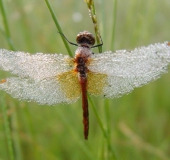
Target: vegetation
<point>136,126</point>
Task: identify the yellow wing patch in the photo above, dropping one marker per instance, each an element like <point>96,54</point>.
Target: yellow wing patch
<point>96,83</point>
<point>70,84</point>
<point>3,81</point>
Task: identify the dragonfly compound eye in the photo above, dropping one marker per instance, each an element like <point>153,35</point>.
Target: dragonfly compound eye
<point>85,37</point>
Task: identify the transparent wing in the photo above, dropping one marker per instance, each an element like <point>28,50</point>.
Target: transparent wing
<point>43,78</point>
<point>47,91</point>
<point>129,69</point>
<point>37,66</point>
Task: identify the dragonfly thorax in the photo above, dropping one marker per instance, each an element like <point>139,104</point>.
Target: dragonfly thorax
<point>83,52</point>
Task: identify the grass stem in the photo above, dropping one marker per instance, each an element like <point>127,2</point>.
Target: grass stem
<point>58,27</point>
<point>7,128</point>
<point>5,22</point>
<point>92,12</point>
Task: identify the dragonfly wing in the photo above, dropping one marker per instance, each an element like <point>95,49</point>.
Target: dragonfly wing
<point>38,66</point>
<point>43,78</point>
<point>48,91</point>
<point>127,70</point>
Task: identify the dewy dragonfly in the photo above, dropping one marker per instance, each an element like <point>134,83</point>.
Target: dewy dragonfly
<point>56,78</point>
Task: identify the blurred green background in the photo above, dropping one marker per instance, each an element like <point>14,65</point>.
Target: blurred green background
<point>137,124</point>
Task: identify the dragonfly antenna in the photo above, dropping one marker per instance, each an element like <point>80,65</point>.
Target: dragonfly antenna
<point>67,39</point>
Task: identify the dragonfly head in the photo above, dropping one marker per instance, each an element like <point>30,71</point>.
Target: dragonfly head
<point>85,39</point>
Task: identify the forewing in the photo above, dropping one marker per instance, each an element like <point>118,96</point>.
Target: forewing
<point>37,66</point>
<point>48,91</point>
<point>126,70</point>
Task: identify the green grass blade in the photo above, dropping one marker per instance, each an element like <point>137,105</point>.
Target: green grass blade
<point>7,128</point>
<point>98,117</point>
<point>58,27</point>
<point>7,31</point>
<point>106,103</point>
<point>80,143</point>
<point>114,25</point>
<point>111,152</point>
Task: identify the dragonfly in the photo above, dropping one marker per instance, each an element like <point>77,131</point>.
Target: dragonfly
<point>57,78</point>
